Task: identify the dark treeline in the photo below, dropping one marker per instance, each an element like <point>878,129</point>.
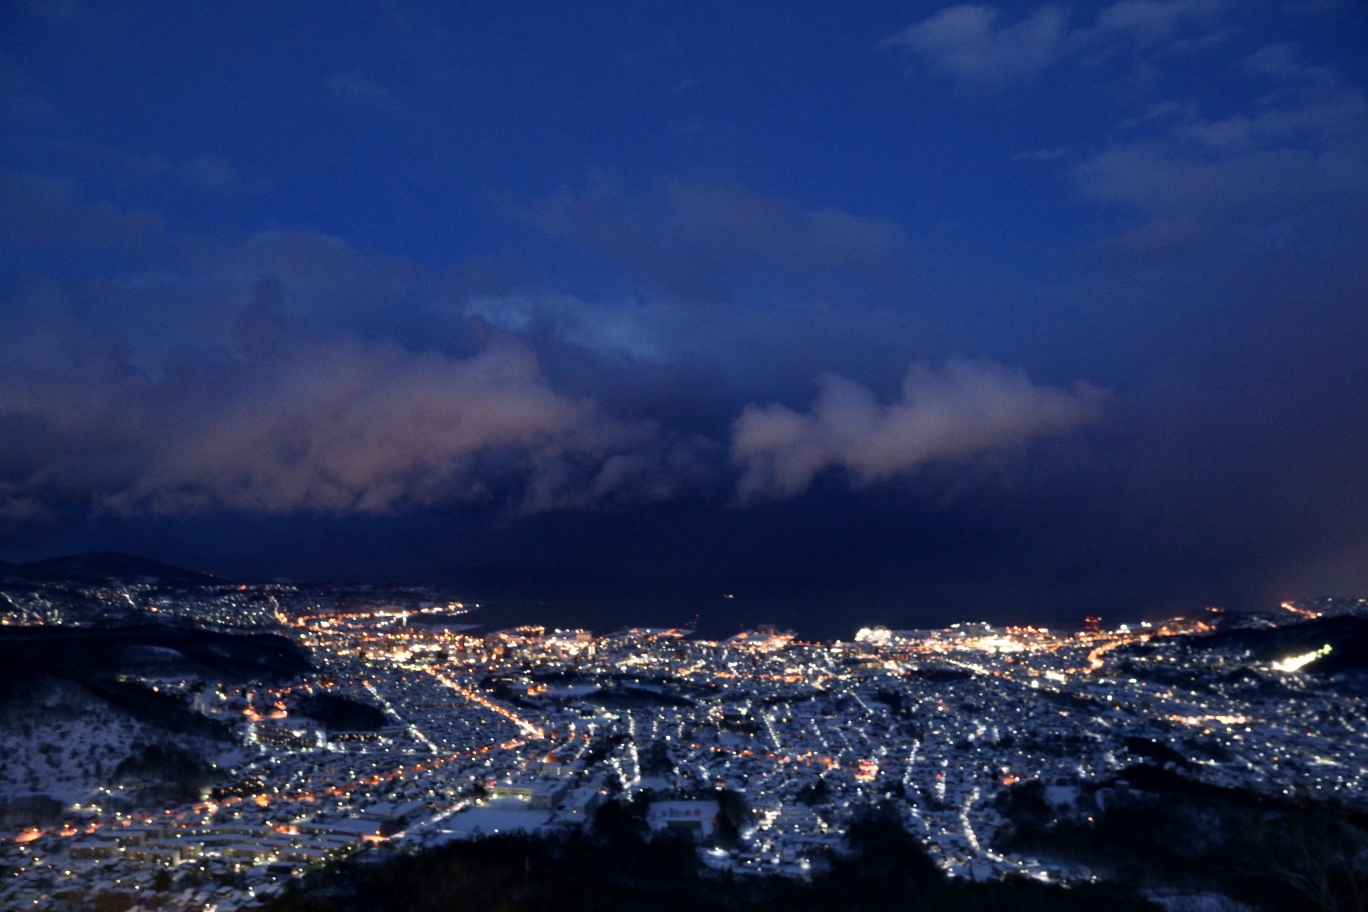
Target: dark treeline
<point>169,712</point>
<point>338,713</point>
<point>618,868</point>
<point>165,772</point>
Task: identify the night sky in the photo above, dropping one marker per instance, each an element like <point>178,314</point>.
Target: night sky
<point>877,312</point>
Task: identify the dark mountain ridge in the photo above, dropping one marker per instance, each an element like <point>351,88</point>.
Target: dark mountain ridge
<point>93,567</point>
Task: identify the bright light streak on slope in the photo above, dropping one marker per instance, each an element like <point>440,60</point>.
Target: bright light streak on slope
<point>965,808</point>
<point>1298,662</point>
<point>394,713</point>
<point>632,754</point>
<point>911,761</point>
<point>769,726</point>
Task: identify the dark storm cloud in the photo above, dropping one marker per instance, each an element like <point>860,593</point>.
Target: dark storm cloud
<point>189,385</point>
<point>962,411</point>
<point>321,424</point>
<point>706,242</point>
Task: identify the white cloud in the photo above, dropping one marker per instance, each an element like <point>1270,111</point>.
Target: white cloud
<point>1042,154</point>
<point>966,409</point>
<point>1148,21</point>
<point>966,41</point>
<point>962,41</point>
<point>612,331</point>
<point>362,92</point>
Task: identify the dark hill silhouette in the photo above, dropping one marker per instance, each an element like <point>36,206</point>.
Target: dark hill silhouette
<point>140,649</point>
<point>102,566</point>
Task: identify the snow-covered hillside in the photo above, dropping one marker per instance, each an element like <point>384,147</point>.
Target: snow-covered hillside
<point>62,740</point>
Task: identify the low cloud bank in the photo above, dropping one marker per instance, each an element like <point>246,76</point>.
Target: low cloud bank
<point>331,424</point>
<point>963,410</point>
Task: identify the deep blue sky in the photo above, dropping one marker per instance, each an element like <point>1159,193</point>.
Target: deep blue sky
<point>901,312</point>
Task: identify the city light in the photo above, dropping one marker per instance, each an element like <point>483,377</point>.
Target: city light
<point>535,728</point>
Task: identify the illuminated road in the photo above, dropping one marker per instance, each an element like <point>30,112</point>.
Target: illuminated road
<point>527,728</point>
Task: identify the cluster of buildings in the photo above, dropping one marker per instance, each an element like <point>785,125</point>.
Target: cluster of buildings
<point>762,748</point>
<point>212,605</point>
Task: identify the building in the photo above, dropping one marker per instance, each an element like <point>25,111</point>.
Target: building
<point>696,818</point>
